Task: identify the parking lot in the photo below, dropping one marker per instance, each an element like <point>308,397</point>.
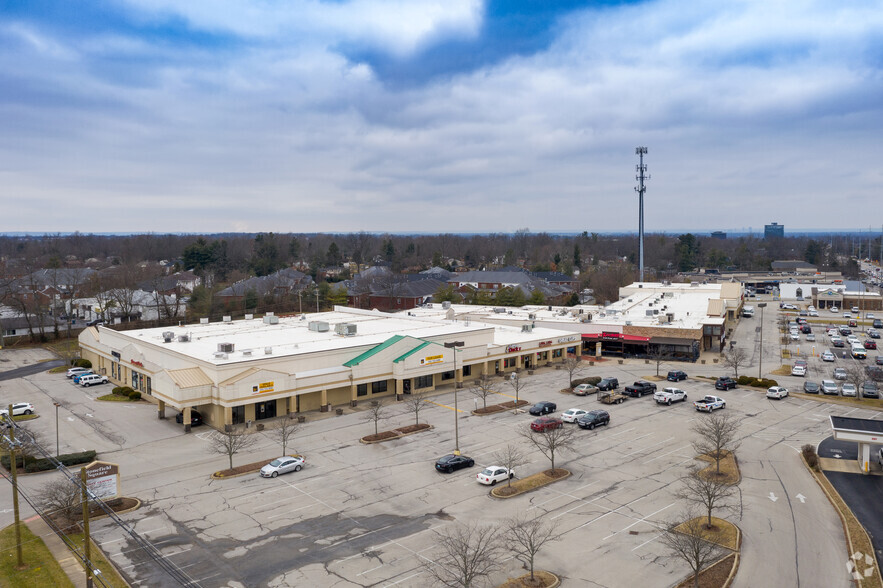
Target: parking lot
<point>365,515</point>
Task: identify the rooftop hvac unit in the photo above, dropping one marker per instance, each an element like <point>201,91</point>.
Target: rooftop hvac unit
<point>630,299</point>
<point>526,328</point>
<point>648,312</point>
<point>225,348</point>
<point>345,329</point>
<point>269,313</point>
<point>184,338</point>
<point>655,311</point>
<point>550,308</point>
<point>628,323</point>
<point>167,336</point>
<point>531,316</point>
<point>219,355</point>
<point>246,352</point>
<point>446,304</point>
<point>268,351</point>
<point>319,326</point>
<point>670,316</point>
<point>271,320</point>
<point>248,317</point>
<point>203,321</point>
<point>227,319</point>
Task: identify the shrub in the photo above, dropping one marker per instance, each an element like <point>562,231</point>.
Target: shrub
<point>41,465</point>
<point>593,380</point>
<point>810,455</point>
<point>126,390</point>
<point>118,390</point>
<point>135,395</point>
<point>83,363</point>
<point>744,380</point>
<point>766,383</point>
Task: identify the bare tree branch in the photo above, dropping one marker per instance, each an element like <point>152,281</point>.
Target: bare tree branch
<point>467,554</point>
<point>230,443</point>
<point>574,365</point>
<point>551,441</point>
<point>526,536</point>
<point>376,412</point>
<point>510,457</point>
<point>686,538</point>
<point>735,358</point>
<point>416,402</point>
<point>285,431</point>
<point>482,388</point>
<point>717,433</point>
<point>709,492</point>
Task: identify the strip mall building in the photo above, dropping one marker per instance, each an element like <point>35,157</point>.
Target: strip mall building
<point>258,368</point>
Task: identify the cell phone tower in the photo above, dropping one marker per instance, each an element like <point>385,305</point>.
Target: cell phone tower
<point>640,189</point>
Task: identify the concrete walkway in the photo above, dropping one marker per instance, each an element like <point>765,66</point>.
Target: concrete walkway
<point>69,562</point>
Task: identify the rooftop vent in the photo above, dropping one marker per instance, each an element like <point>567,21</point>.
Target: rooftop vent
<point>203,321</point>
<point>446,304</point>
<point>248,317</point>
<point>268,351</point>
<point>319,326</point>
<point>271,320</point>
<point>269,313</point>
<point>526,328</point>
<point>225,348</point>
<point>648,312</point>
<point>168,336</point>
<point>345,329</point>
<point>227,319</point>
<point>628,323</point>
<point>220,355</point>
<point>499,310</point>
<point>246,352</point>
<point>184,338</point>
<point>531,316</point>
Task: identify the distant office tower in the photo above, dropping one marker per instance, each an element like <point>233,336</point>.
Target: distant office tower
<point>718,235</point>
<point>773,231</point>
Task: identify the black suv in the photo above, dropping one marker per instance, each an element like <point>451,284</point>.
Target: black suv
<point>725,383</point>
<point>195,418</point>
<point>541,408</point>
<point>676,376</point>
<point>878,324</point>
<point>594,418</point>
<point>608,384</point>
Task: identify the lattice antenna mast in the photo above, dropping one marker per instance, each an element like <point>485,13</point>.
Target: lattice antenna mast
<point>640,189</point>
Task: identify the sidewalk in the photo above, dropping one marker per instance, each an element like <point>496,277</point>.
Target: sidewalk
<point>68,561</point>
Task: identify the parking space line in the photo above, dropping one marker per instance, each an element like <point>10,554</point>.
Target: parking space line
<point>290,511</point>
<point>669,453</point>
<point>356,537</point>
<point>622,432</point>
<point>648,447</point>
<point>403,579</point>
<point>647,541</point>
<point>598,518</point>
<point>583,503</point>
<point>641,520</point>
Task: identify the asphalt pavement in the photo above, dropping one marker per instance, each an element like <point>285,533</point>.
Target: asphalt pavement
<point>863,495</point>
<point>30,370</point>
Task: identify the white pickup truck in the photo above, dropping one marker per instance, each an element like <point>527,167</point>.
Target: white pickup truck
<point>669,395</point>
<point>710,403</point>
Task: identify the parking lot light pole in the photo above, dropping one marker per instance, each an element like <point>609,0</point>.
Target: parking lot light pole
<point>57,453</point>
<point>453,345</point>
<point>761,306</point>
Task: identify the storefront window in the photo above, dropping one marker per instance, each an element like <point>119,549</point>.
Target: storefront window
<point>265,410</point>
<point>134,380</point>
<point>557,352</point>
<point>467,370</point>
<point>509,362</point>
<point>361,389</point>
<point>447,375</point>
<point>422,382</point>
<point>149,389</point>
<point>379,387</point>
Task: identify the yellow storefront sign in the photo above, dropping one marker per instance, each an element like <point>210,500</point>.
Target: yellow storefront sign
<point>432,359</point>
<point>263,387</point>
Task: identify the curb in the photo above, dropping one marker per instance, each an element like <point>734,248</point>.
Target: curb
<point>492,495</point>
<point>398,436</point>
<point>120,512</point>
<point>519,579</point>
<point>215,475</point>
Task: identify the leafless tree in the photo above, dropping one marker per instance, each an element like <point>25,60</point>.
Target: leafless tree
<point>551,441</point>
<point>416,402</point>
<point>686,538</point>
<point>230,443</point>
<point>659,355</point>
<point>376,412</point>
<point>510,457</point>
<point>285,431</point>
<point>717,434</point>
<point>574,365</point>
<point>467,555</point>
<point>61,499</point>
<point>526,536</point>
<point>516,381</point>
<point>734,358</point>
<point>482,388</point>
<point>856,373</point>
<point>709,492</point>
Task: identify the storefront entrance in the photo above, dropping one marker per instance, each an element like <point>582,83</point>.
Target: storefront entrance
<point>264,410</point>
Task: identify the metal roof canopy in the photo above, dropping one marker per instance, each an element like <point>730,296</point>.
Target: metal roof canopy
<point>863,431</point>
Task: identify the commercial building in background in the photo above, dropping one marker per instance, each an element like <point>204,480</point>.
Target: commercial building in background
<point>258,368</point>
<point>718,235</point>
<point>773,231</point>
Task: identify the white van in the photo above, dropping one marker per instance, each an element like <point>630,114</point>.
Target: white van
<point>858,351</point>
<point>748,311</point>
<point>90,379</point>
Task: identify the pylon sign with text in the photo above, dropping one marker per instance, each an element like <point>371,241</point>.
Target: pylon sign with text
<point>103,479</point>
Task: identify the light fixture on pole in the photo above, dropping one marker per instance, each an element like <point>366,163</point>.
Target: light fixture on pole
<point>761,306</point>
<point>56,429</point>
<point>453,345</point>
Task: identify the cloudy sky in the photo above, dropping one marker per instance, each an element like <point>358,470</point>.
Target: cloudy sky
<point>439,115</point>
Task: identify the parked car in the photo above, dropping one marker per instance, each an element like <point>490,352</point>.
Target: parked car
<point>725,383</point>
<point>608,384</point>
<point>77,370</point>
<point>541,408</point>
<point>873,333</point>
<point>828,355</point>
<point>870,344</point>
<point>813,313</point>
<point>283,465</point>
<point>840,374</point>
<point>811,387</point>
<point>810,337</point>
<point>777,392</point>
<point>18,409</point>
<point>878,359</point>
<point>834,309</point>
<point>669,395</point>
<point>794,336</point>
<point>806,329</point>
<point>449,463</point>
<point>493,474</point>
<point>94,322</point>
<point>878,324</point>
<point>87,380</point>
<point>848,389</point>
<point>572,414</point>
<point>584,389</point>
<point>870,390</point>
<point>829,387</point>
<point>594,418</point>
<point>798,370</point>
<point>710,403</point>
<point>195,418</point>
<point>546,423</point>
<point>77,377</point>
<point>676,376</point>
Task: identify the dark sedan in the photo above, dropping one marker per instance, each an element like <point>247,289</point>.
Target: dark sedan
<point>594,418</point>
<point>541,408</point>
<point>725,383</point>
<point>546,423</point>
<point>676,376</point>
<point>811,387</point>
<point>195,418</point>
<point>870,390</point>
<point>451,462</point>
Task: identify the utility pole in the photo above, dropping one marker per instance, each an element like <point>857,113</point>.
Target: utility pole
<point>87,540</point>
<point>640,189</point>
<point>13,469</point>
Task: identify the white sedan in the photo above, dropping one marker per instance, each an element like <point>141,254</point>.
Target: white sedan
<point>572,415</point>
<point>493,474</point>
<point>18,409</point>
<point>283,465</point>
<point>777,392</point>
